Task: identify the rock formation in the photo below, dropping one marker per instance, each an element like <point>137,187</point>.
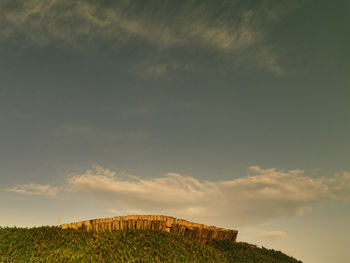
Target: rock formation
<point>200,232</point>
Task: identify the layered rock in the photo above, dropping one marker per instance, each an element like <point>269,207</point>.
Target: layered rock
<point>200,232</point>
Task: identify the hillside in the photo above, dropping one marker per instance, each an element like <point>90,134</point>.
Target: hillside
<point>53,244</point>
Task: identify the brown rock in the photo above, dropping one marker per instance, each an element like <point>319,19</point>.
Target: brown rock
<point>200,232</point>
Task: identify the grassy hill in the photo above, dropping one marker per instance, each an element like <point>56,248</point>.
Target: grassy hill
<point>52,244</point>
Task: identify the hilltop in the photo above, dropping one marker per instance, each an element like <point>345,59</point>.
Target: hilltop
<point>54,244</point>
<point>200,232</point>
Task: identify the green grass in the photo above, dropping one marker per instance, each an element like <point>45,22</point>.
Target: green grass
<point>52,244</point>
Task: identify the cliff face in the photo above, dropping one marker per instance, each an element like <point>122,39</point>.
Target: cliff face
<point>200,232</point>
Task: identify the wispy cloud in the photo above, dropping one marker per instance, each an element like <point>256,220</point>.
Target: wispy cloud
<point>265,234</point>
<point>272,234</point>
<point>34,189</point>
<point>162,66</point>
<point>266,194</point>
<point>253,199</point>
<point>236,32</point>
<point>114,211</point>
<point>44,22</point>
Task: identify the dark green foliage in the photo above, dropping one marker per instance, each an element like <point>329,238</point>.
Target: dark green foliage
<point>52,244</point>
<point>240,253</point>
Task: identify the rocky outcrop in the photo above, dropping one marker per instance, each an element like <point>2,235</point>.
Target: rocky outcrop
<point>202,233</point>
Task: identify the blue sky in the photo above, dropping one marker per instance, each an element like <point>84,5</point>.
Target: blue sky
<point>232,113</point>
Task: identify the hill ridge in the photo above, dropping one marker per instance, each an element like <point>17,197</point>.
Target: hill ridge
<point>200,232</point>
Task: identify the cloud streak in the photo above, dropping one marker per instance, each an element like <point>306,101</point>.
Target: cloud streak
<point>249,200</point>
<point>266,234</point>
<point>232,29</point>
<point>66,21</point>
<point>257,198</point>
<point>272,234</point>
<point>34,189</point>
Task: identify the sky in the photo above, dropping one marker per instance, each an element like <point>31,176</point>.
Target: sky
<point>228,113</point>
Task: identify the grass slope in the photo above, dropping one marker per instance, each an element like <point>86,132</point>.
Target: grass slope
<point>52,244</point>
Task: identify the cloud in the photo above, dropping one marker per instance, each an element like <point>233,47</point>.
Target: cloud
<point>162,66</point>
<point>237,33</point>
<point>263,234</point>
<point>264,195</point>
<point>249,200</point>
<point>34,189</point>
<point>114,211</point>
<point>45,22</point>
<point>340,183</point>
<point>272,234</point>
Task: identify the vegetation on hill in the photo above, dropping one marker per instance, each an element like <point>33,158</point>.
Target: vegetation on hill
<point>53,244</point>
